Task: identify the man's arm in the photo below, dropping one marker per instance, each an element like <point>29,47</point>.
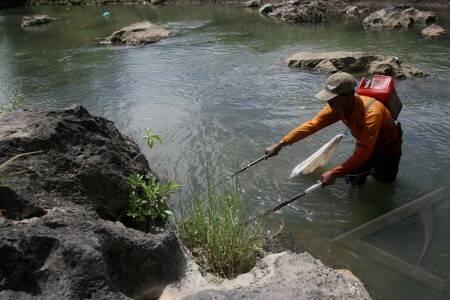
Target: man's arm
<point>364,146</point>
<point>324,118</point>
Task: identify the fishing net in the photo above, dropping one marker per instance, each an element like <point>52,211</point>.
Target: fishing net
<point>318,158</point>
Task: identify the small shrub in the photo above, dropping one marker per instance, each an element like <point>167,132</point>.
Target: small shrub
<point>150,140</point>
<point>148,199</point>
<point>214,230</point>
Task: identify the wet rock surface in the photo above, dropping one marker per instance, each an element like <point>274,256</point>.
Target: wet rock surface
<point>252,3</point>
<point>284,275</point>
<point>353,62</point>
<point>354,12</point>
<point>58,238</point>
<point>139,33</point>
<point>301,11</point>
<point>433,31</point>
<point>36,20</point>
<point>397,18</point>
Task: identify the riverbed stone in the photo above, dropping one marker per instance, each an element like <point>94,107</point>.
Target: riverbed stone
<point>433,31</point>
<point>397,18</point>
<point>284,275</point>
<point>300,11</point>
<point>36,20</point>
<point>353,62</point>
<point>354,12</point>
<point>139,33</point>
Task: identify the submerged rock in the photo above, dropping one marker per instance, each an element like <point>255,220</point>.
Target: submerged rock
<point>139,33</point>
<point>433,31</point>
<point>36,20</point>
<point>353,62</point>
<point>397,18</point>
<point>284,275</point>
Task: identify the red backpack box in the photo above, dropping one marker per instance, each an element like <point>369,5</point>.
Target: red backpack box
<point>381,88</point>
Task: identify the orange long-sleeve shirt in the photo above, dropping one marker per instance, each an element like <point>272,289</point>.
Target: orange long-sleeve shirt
<point>371,124</point>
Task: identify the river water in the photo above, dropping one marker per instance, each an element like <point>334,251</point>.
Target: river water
<point>218,93</point>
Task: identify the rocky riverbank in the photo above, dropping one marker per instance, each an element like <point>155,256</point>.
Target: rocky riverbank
<point>62,232</point>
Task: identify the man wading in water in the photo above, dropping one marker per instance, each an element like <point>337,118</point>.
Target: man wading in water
<point>379,139</point>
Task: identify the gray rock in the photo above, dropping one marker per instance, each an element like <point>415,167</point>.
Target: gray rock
<point>36,20</point>
<point>284,275</point>
<point>85,161</point>
<point>420,16</point>
<point>397,18</point>
<point>266,9</point>
<point>72,254</point>
<point>433,31</point>
<point>139,33</point>
<point>54,240</point>
<point>252,3</point>
<point>392,66</point>
<point>353,62</point>
<point>302,11</point>
<point>354,12</point>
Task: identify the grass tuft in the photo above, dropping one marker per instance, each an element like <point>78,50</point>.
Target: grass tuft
<point>214,230</point>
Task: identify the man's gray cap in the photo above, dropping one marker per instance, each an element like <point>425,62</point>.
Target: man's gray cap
<point>337,84</point>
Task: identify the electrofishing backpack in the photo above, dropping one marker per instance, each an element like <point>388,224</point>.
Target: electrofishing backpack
<point>381,88</point>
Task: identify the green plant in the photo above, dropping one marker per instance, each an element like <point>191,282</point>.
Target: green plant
<point>4,165</point>
<point>215,232</point>
<point>13,104</point>
<point>148,199</point>
<point>150,140</point>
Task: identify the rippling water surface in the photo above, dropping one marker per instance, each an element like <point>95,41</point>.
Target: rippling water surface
<point>218,93</point>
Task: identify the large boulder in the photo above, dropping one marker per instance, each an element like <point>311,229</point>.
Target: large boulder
<point>36,20</point>
<point>139,33</point>
<point>353,62</point>
<point>433,31</point>
<point>84,160</point>
<point>69,253</point>
<point>280,276</point>
<point>59,238</point>
<point>397,18</point>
